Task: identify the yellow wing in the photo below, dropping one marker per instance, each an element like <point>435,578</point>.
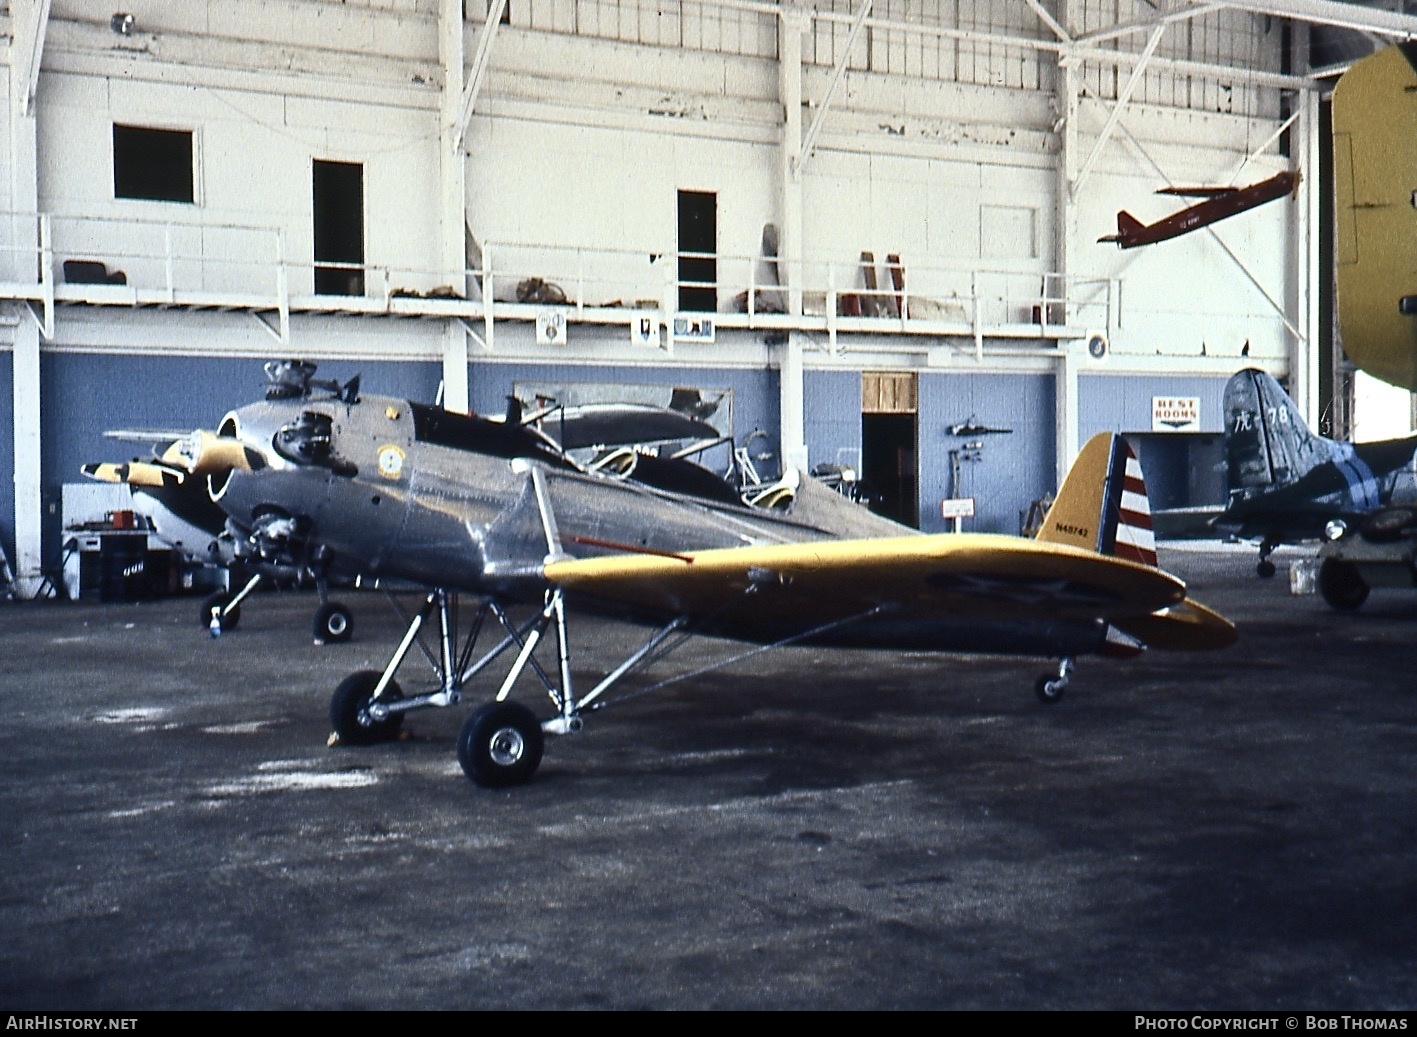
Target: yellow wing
<point>1374,172</point>
<point>966,577</point>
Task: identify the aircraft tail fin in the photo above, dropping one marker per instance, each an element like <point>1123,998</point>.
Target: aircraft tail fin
<point>1127,224</point>
<point>1102,505</point>
<point>1268,445</point>
<point>1127,227</point>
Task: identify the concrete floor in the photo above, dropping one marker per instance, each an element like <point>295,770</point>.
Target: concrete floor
<point>805,829</point>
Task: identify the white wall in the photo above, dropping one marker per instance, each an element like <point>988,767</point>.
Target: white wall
<point>580,142</point>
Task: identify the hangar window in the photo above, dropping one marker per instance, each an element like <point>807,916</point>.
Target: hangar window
<point>152,164</point>
<point>698,248</point>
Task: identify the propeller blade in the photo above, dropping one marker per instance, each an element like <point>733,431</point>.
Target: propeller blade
<point>134,473</point>
<point>203,452</point>
<point>144,435</point>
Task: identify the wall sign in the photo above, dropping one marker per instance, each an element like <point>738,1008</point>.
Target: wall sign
<point>1175,414</point>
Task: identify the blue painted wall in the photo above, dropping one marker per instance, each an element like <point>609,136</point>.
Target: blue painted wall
<point>85,394</point>
<point>1181,470</point>
<point>831,401</point>
<point>1013,469</point>
<point>1113,403</point>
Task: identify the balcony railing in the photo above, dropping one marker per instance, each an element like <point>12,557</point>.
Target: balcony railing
<point>52,259</point>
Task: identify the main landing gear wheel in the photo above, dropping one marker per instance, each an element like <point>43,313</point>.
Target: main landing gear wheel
<point>1049,688</point>
<point>1342,585</point>
<point>219,601</point>
<point>1265,569</point>
<point>500,744</point>
<point>334,624</point>
<point>349,710</point>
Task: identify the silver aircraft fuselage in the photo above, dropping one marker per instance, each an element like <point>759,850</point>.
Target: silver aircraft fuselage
<point>396,489</point>
<point>392,490</point>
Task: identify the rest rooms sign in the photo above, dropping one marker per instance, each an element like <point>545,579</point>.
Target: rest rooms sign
<point>1175,414</point>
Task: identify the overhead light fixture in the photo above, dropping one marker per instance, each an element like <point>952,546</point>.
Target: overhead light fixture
<point>121,23</point>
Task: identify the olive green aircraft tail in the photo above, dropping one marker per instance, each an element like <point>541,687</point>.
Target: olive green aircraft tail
<point>1375,241</point>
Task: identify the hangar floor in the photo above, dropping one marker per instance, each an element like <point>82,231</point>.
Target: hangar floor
<point>805,829</point>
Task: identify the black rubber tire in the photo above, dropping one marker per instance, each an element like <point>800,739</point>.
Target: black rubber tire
<point>349,710</point>
<point>500,745</point>
<point>1049,689</point>
<point>1265,570</point>
<point>1341,585</point>
<point>333,624</point>
<point>1387,524</point>
<point>216,601</point>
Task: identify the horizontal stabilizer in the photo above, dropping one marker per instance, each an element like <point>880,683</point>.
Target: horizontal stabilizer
<point>1188,626</point>
<point>1196,192</point>
<point>1128,226</point>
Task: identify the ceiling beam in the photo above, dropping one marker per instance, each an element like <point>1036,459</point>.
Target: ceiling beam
<point>32,19</point>
<point>810,140</point>
<point>1126,29</point>
<point>478,73</point>
<point>1123,99</point>
<point>1332,12</point>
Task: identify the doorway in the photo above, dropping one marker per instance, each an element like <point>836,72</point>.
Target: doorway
<point>698,251</point>
<point>889,435</point>
<point>338,189</point>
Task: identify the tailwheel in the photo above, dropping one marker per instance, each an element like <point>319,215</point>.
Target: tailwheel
<point>333,624</point>
<point>500,745</point>
<point>1050,687</point>
<point>228,615</point>
<point>353,711</point>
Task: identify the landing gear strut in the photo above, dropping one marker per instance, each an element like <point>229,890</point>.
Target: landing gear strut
<point>1265,569</point>
<point>1049,687</point>
<point>501,744</point>
<point>222,611</point>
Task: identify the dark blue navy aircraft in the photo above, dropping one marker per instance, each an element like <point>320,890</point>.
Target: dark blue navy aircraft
<point>1287,483</point>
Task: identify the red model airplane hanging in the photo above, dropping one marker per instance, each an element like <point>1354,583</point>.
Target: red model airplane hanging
<point>1220,203</point>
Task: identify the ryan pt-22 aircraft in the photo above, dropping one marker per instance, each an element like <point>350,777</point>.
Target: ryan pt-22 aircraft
<point>392,489</point>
